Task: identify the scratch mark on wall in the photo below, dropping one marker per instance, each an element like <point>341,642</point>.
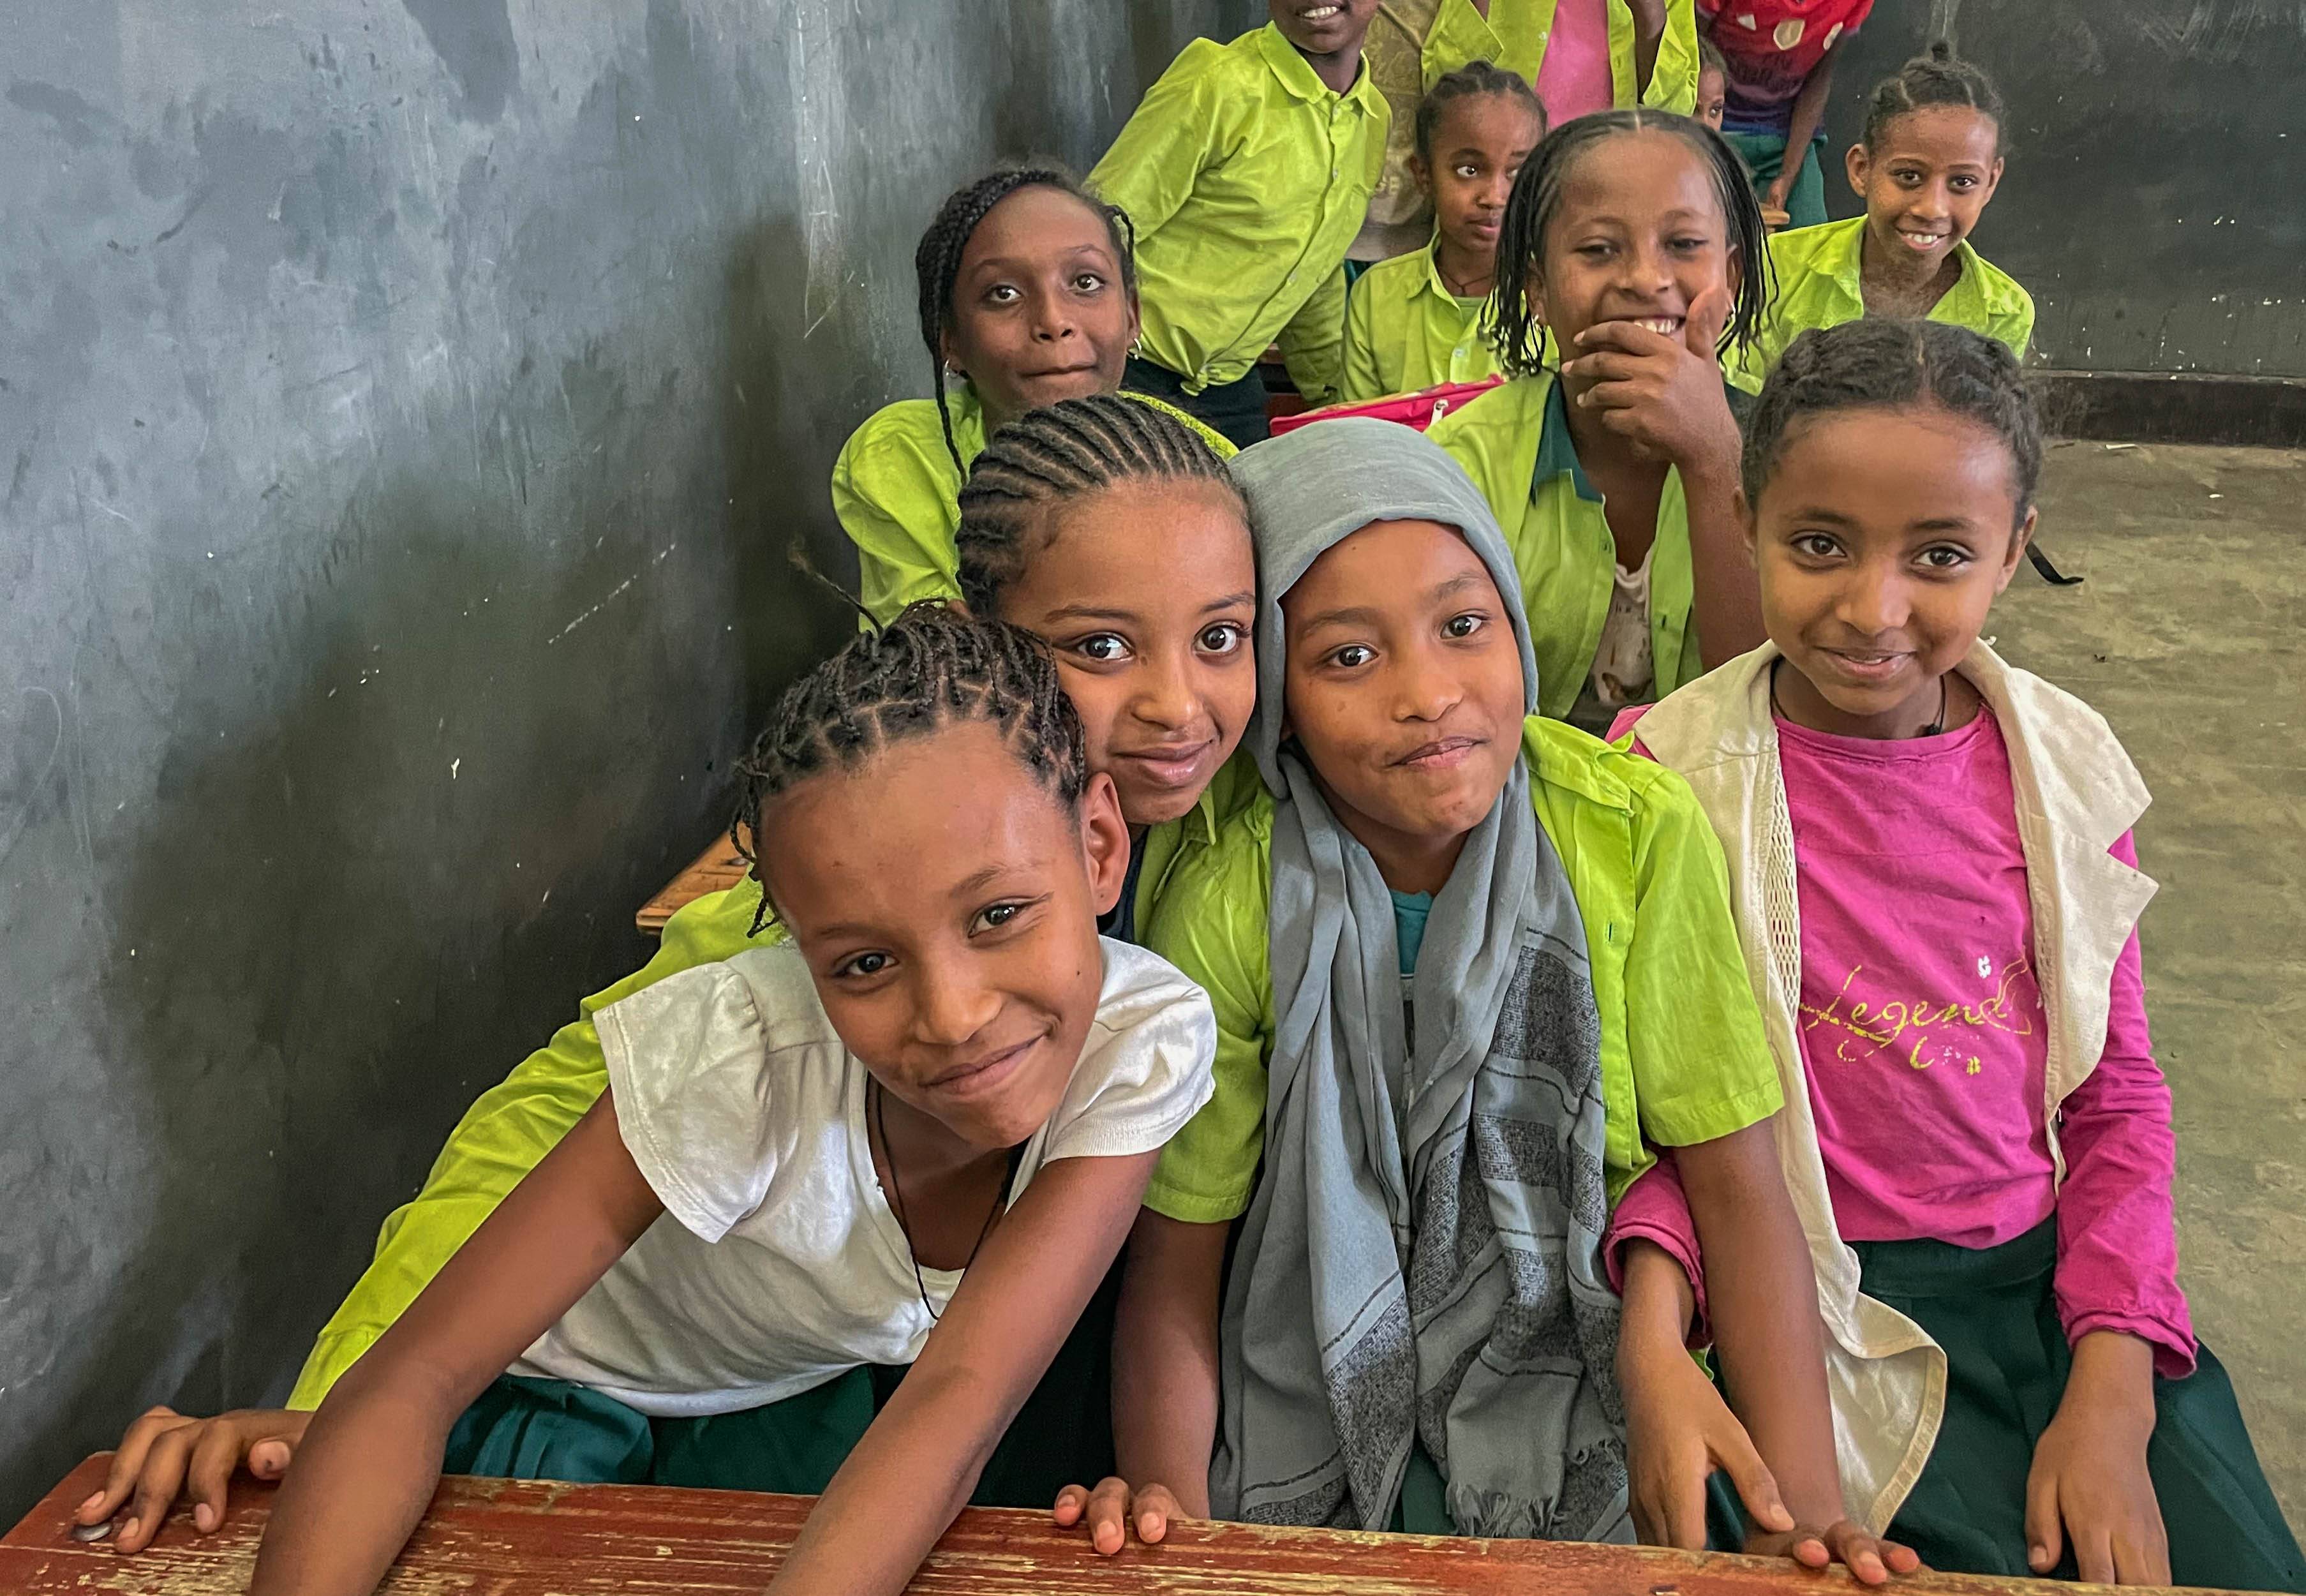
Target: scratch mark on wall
<point>613,595</point>
<point>813,75</point>
<point>11,826</point>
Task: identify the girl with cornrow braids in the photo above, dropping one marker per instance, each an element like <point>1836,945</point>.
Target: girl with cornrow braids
<point>1935,883</point>
<point>1028,295</point>
<point>1926,167</point>
<point>909,1139</point>
<point>1107,527</point>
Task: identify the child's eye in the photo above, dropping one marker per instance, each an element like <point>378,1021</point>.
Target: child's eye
<point>993,917</point>
<point>1223,638</point>
<point>1467,169</point>
<point>1465,625</point>
<point>1964,184</point>
<point>1690,243</point>
<point>1945,557</point>
<point>1594,252</point>
<point>1001,294</point>
<point>1106,648</point>
<point>862,965</point>
<point>1089,282</point>
<point>1816,545</point>
<point>1353,656</point>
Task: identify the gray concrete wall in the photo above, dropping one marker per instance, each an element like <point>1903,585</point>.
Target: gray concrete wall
<point>405,409</point>
<point>2154,203</point>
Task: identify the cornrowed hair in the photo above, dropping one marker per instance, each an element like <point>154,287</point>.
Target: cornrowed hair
<point>936,263</point>
<point>1474,78</point>
<point>930,669</point>
<point>1938,77</point>
<point>1519,336</point>
<point>1064,452</point>
<point>1882,364</point>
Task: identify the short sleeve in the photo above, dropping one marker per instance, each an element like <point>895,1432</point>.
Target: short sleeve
<point>688,1063</point>
<point>1701,1065</point>
<point>1147,1067</point>
<point>1211,924</point>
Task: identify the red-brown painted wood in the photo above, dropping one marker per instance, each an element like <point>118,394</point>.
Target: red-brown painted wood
<point>509,1538</point>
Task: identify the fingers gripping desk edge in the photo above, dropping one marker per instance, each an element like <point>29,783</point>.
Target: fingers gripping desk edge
<point>515,1538</point>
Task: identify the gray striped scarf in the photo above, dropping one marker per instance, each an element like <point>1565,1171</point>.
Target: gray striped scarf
<point>1423,1255</point>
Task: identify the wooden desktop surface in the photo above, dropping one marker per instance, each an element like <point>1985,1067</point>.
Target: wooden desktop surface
<point>508,1538</point>
<point>716,869</point>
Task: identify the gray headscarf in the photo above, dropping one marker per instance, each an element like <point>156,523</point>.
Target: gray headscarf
<point>1423,1255</point>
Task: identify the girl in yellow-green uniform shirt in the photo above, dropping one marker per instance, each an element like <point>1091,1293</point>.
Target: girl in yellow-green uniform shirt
<point>1926,165</point>
<point>1412,44</point>
<point>1469,967</point>
<point>1028,297</point>
<point>1423,318</point>
<point>1247,170</point>
<point>1615,480</point>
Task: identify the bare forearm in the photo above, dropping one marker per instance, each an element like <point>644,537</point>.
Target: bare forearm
<point>1808,116</point>
<point>1165,1358</point>
<point>899,1489</point>
<point>2114,1372</point>
<point>1762,1297</point>
<point>365,1471</point>
<point>1726,593</point>
<point>1658,1305</point>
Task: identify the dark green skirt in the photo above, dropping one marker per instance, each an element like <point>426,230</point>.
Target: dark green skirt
<point>524,1429</point>
<point>1995,1314</point>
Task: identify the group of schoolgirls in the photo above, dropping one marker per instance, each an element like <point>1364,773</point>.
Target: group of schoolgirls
<point>1206,1034</point>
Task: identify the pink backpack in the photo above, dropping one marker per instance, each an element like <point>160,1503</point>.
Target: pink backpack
<point>1420,410</point>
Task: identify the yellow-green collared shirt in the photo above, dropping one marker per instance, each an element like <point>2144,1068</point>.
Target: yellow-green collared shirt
<point>1246,177</point>
<point>508,1131</point>
<point>897,492</point>
<point>1683,1056</point>
<point>1405,330</point>
<point>1513,441</point>
<point>1819,284</point>
<point>1413,42</point>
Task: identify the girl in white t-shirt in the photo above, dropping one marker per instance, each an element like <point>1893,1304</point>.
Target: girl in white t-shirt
<point>916,1133</point>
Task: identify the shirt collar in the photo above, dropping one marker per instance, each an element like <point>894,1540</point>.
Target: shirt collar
<point>1433,271</point>
<point>1556,451</point>
<point>1297,75</point>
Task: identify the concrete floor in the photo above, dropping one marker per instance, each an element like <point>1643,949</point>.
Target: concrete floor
<point>2189,635</point>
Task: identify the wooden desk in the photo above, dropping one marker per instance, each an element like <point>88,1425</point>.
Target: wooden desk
<point>505,1538</point>
<point>718,868</point>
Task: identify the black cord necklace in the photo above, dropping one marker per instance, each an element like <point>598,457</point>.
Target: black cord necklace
<point>1933,730</point>
<point>877,1101</point>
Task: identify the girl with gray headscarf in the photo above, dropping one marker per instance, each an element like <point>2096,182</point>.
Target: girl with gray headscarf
<point>1469,965</point>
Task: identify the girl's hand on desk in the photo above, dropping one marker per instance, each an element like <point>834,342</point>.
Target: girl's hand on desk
<point>1869,1561</point>
<point>1113,1509</point>
<point>165,1452</point>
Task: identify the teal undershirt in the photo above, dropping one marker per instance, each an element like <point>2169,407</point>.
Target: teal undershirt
<point>1409,912</point>
<point>1422,1509</point>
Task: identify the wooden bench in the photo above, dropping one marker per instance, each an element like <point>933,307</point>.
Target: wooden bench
<point>718,868</point>
<point>508,1538</point>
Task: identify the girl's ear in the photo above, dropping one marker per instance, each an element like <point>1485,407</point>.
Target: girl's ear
<point>2017,550</point>
<point>1104,842</point>
<point>1423,174</point>
<point>1136,320</point>
<point>1858,163</point>
<point>1992,181</point>
<point>944,352</point>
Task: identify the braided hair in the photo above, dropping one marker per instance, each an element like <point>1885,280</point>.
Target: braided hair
<point>1058,453</point>
<point>1938,77</point>
<point>1474,78</point>
<point>936,262</point>
<point>931,668</point>
<point>1520,336</point>
<point>1881,363</point>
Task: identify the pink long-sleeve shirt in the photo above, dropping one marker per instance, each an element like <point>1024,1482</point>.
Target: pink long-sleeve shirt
<point>1925,1045</point>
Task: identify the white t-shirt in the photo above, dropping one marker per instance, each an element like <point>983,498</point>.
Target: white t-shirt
<point>778,1263</point>
<point>1623,669</point>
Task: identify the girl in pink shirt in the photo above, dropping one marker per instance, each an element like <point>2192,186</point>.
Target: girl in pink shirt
<point>1932,862</point>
